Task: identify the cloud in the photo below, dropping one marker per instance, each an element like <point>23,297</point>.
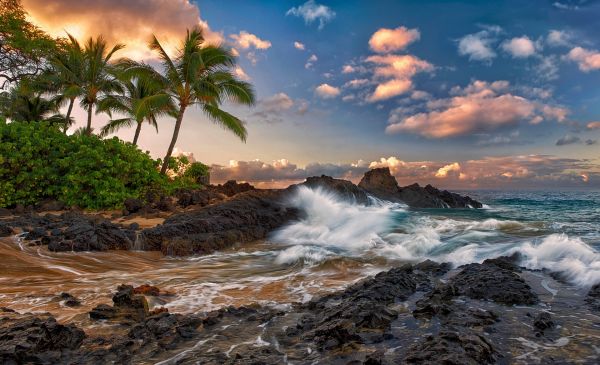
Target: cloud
<point>567,140</point>
<point>356,83</point>
<point>275,108</point>
<point>445,170</point>
<point>310,11</point>
<point>389,40</point>
<point>520,171</point>
<point>547,69</point>
<point>587,60</point>
<point>479,107</point>
<point>327,91</point>
<point>311,61</point>
<point>347,69</point>
<point>396,71</point>
<point>558,38</point>
<point>593,125</point>
<point>519,47</point>
<point>477,46</point>
<point>130,22</point>
<point>245,40</point>
<point>241,74</point>
<point>299,46</point>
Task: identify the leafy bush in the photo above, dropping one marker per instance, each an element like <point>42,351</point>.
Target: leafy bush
<point>38,162</point>
<point>196,170</point>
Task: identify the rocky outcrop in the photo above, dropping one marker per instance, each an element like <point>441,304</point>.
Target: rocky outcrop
<point>127,307</point>
<point>245,217</point>
<point>231,188</point>
<point>381,184</point>
<point>593,298</point>
<point>29,339</point>
<point>342,188</point>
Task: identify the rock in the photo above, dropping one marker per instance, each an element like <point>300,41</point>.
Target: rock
<point>231,188</point>
<point>35,234</point>
<point>165,205</point>
<point>593,298</point>
<point>134,226</point>
<point>189,197</point>
<point>133,205</point>
<point>542,322</point>
<point>491,282</point>
<point>29,339</point>
<point>5,212</point>
<point>69,300</point>
<point>147,290</point>
<point>245,217</point>
<point>452,347</point>
<point>127,307</point>
<point>381,184</point>
<point>343,188</point>
<point>5,230</point>
<point>50,205</point>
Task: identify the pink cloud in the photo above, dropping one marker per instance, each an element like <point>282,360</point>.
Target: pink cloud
<point>587,60</point>
<point>327,91</point>
<point>389,40</point>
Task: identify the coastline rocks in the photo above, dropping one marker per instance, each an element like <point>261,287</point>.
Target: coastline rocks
<point>542,322</point>
<point>593,298</point>
<point>493,281</point>
<point>5,230</point>
<point>69,300</point>
<point>29,339</point>
<point>127,307</point>
<point>380,183</point>
<point>246,217</point>
<point>231,188</point>
<point>343,188</point>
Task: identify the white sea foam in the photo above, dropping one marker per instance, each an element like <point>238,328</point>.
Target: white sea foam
<point>333,227</point>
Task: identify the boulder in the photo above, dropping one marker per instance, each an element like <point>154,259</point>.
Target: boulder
<point>343,188</point>
<point>133,205</point>
<point>593,298</point>
<point>5,230</point>
<point>127,307</point>
<point>458,346</point>
<point>542,322</point>
<point>381,184</point>
<point>231,188</point>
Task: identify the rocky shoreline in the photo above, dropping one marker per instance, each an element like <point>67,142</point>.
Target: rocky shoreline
<point>203,221</point>
<point>488,313</point>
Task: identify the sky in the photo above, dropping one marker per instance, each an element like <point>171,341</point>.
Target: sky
<point>459,94</point>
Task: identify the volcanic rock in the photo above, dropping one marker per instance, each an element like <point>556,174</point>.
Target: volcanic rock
<point>343,188</point>
<point>463,347</point>
<point>593,298</point>
<point>231,188</point>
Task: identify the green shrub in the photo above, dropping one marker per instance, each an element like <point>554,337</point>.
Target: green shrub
<point>196,170</point>
<point>38,162</point>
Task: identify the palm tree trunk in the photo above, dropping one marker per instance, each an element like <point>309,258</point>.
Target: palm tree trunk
<point>88,130</point>
<point>137,132</point>
<point>68,116</point>
<point>165,165</point>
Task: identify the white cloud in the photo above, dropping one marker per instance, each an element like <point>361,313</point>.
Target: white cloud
<point>587,60</point>
<point>310,11</point>
<point>348,69</point>
<point>299,46</point>
<point>327,91</point>
<point>519,47</point>
<point>477,46</point>
<point>245,40</point>
<point>241,74</point>
<point>443,172</point>
<point>389,40</point>
<point>277,107</point>
<point>356,83</point>
<point>557,38</point>
<point>311,61</point>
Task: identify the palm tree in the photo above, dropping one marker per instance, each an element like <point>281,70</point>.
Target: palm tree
<point>142,99</point>
<point>65,75</point>
<point>97,76</point>
<point>22,104</point>
<point>201,75</point>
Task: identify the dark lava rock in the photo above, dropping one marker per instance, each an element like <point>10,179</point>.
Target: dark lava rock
<point>133,205</point>
<point>245,217</point>
<point>50,205</point>
<point>543,321</point>
<point>231,188</point>
<point>381,184</point>
<point>5,230</point>
<point>593,298</point>
<point>69,300</point>
<point>34,340</point>
<point>343,188</point>
<point>147,290</point>
<point>127,307</point>
<point>187,197</point>
<point>460,347</point>
<point>165,205</point>
<point>358,314</point>
<point>491,282</point>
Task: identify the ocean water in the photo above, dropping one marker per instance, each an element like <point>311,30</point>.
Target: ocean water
<point>557,231</point>
<point>334,244</point>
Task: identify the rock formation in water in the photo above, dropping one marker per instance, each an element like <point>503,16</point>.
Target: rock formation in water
<point>381,184</point>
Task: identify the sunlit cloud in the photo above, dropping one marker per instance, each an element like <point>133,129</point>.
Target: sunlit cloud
<point>558,38</point>
<point>129,22</point>
<point>390,40</point>
<point>275,108</point>
<point>396,71</point>
<point>593,125</point>
<point>478,46</point>
<point>587,60</point>
<point>479,107</point>
<point>245,40</point>
<point>299,46</point>
<point>311,61</point>
<point>327,91</point>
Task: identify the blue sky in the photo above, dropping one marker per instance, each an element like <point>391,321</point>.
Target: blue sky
<point>443,91</point>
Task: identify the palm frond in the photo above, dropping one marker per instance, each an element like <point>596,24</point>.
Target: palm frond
<point>226,120</point>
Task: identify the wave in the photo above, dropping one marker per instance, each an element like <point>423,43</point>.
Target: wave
<point>332,227</point>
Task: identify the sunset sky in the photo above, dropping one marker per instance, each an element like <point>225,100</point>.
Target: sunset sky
<point>469,94</point>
